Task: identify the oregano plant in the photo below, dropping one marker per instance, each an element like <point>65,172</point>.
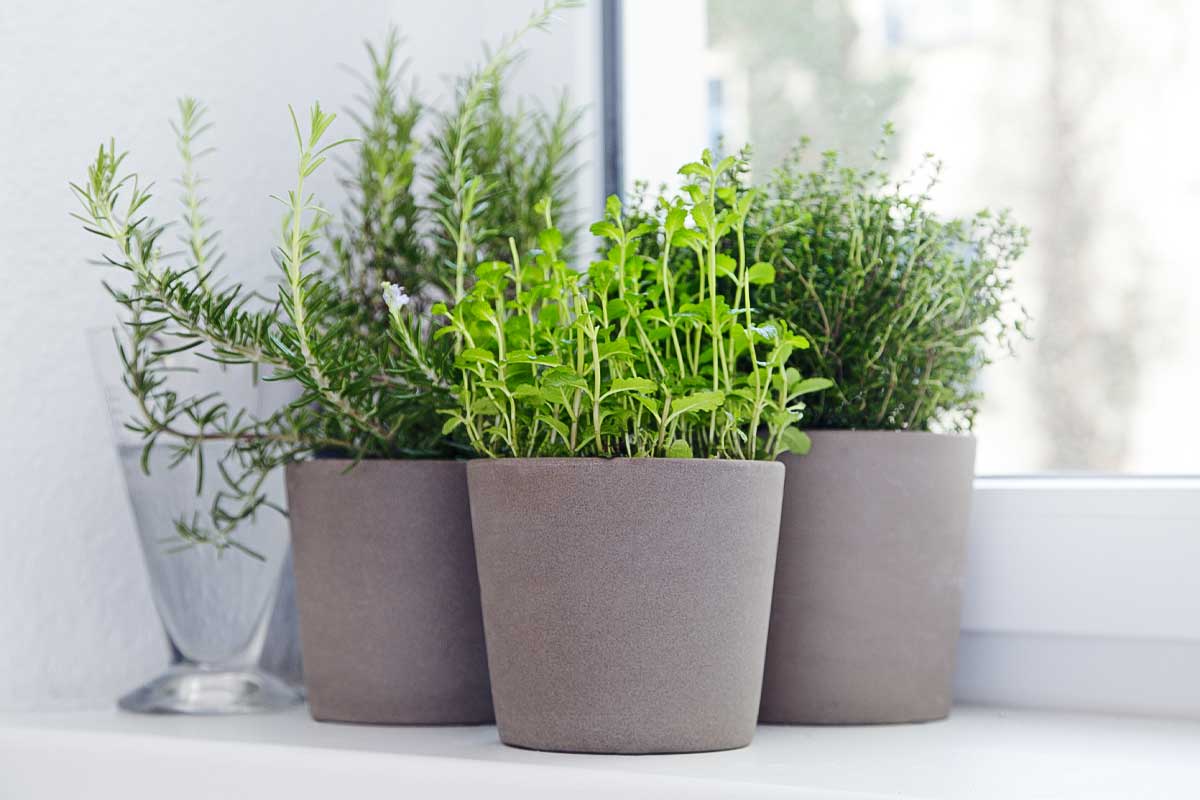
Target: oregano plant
<point>635,356</point>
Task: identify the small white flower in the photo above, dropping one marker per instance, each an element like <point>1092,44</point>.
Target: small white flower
<point>395,297</point>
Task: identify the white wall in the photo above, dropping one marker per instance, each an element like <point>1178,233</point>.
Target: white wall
<point>76,623</point>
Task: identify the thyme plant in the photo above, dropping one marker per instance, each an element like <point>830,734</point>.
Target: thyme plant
<point>636,357</point>
<point>899,304</point>
<point>368,390</point>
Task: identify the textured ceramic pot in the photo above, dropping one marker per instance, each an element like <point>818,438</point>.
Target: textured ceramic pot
<point>387,592</point>
<point>626,601</point>
<point>868,588</point>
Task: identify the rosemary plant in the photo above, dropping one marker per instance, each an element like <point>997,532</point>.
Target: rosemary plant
<point>898,303</point>
<point>482,161</point>
<point>368,390</point>
<point>637,357</point>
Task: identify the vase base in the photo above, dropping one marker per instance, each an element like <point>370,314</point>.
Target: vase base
<point>201,691</point>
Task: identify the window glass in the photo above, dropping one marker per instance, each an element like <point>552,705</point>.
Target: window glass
<point>1079,115</point>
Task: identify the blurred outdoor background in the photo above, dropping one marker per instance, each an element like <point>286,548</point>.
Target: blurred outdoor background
<point>1076,114</point>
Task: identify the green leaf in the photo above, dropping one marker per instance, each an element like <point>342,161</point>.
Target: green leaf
<point>780,417</point>
<point>561,377</point>
<point>606,230</point>
<point>477,310</point>
<point>641,230</point>
<point>686,237</point>
<point>797,341</point>
<point>557,425</point>
<point>527,391</point>
<point>780,355</point>
<point>615,348</point>
<point>726,265</point>
<point>658,334</point>
<point>794,440</point>
<point>697,401</point>
<point>612,206</point>
<point>747,199</point>
<point>450,424</point>
<point>761,273</point>
<point>548,318</point>
<point>679,449</point>
<point>642,385</point>
<point>490,270</point>
<point>550,240</point>
<point>485,407</point>
<point>649,403</point>
<point>602,273</point>
<point>810,385</point>
<point>703,215</point>
<point>676,216</point>
<point>477,355</point>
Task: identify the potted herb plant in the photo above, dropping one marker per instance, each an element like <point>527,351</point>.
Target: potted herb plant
<point>386,583</point>
<point>899,306</point>
<point>627,511</point>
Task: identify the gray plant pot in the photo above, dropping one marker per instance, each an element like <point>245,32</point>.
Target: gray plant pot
<point>387,592</point>
<point>868,589</point>
<point>626,601</point>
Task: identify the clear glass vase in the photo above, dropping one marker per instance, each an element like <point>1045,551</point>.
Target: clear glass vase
<point>215,605</point>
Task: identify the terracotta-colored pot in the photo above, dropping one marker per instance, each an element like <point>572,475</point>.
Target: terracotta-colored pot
<point>625,601</point>
<point>387,592</point>
<point>868,588</point>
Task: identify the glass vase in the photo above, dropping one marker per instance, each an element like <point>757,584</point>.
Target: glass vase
<point>215,605</point>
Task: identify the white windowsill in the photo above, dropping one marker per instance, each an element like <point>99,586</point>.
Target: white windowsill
<point>1081,594</point>
<point>978,753</point>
